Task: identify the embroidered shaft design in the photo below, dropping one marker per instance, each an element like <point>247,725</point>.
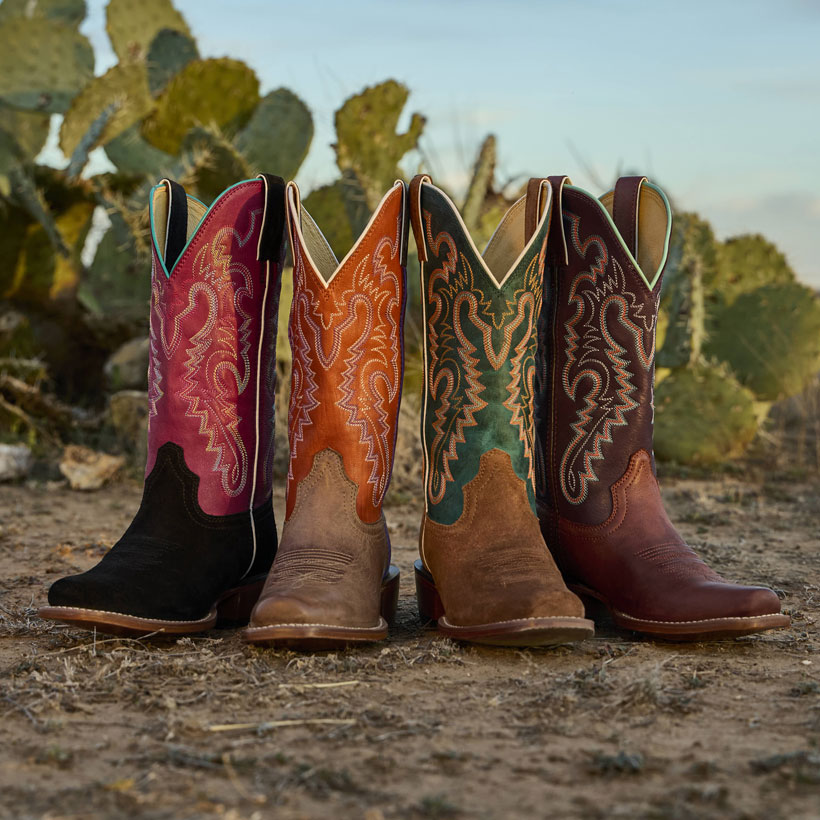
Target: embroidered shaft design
<point>346,340</point>
<point>480,348</point>
<point>212,355</point>
<point>596,365</point>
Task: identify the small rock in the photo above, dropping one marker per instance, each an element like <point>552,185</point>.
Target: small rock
<point>15,461</point>
<point>127,367</point>
<point>87,469</point>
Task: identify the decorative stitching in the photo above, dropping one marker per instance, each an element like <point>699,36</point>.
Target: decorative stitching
<point>702,620</point>
<point>575,621</point>
<point>380,626</point>
<point>72,610</point>
<point>461,356</point>
<point>346,354</point>
<point>594,357</point>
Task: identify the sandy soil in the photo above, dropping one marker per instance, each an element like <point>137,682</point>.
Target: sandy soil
<point>417,726</point>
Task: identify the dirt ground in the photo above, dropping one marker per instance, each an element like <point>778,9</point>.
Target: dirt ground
<point>416,727</point>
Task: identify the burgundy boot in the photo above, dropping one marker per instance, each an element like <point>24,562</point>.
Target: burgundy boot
<point>204,537</point>
<point>598,499</point>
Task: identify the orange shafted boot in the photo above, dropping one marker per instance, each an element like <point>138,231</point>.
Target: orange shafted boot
<point>332,582</point>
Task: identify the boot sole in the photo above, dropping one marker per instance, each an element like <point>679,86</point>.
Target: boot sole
<point>233,608</point>
<point>331,636</point>
<point>708,629</point>
<point>548,631</point>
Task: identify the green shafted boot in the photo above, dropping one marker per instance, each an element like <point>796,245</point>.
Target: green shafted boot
<point>485,573</point>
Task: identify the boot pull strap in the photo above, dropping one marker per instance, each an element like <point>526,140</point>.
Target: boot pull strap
<point>625,210</point>
<point>271,246</point>
<point>415,213</point>
<point>557,240</point>
<point>176,229</point>
<point>405,223</point>
<point>534,208</point>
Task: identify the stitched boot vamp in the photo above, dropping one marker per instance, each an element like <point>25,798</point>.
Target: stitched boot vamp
<point>492,564</point>
<point>179,576</point>
<point>330,564</point>
<point>641,566</point>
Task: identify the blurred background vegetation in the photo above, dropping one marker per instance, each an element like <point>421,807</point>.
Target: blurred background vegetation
<point>738,337</point>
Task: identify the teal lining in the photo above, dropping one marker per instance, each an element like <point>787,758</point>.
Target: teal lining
<point>160,255</point>
<point>605,212</point>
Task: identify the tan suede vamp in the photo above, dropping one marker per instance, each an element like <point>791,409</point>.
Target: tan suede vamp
<point>492,564</point>
<point>330,564</point>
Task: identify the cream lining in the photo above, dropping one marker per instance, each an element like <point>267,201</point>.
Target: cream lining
<point>196,211</point>
<point>507,242</point>
<point>316,247</point>
<point>652,224</point>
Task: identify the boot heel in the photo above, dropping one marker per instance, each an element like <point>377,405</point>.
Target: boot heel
<point>595,609</point>
<point>235,607</point>
<point>429,602</point>
<point>390,595</point>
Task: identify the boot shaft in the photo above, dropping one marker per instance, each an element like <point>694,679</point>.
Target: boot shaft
<point>597,342</point>
<point>215,282</point>
<point>480,315</point>
<point>346,333</point>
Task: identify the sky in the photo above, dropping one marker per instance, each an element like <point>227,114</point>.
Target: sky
<point>718,102</point>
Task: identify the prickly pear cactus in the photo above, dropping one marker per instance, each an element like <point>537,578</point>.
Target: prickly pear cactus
<point>221,93</point>
<point>42,274</point>
<point>116,281</point>
<point>692,260</point>
<point>745,263</point>
<point>67,12</point>
<point>131,154</point>
<point>217,162</point>
<point>132,25</point>
<point>126,87</point>
<point>341,212</point>
<point>22,136</point>
<point>27,129</point>
<point>770,338</point>
<point>366,140</point>
<point>480,184</point>
<point>278,134</point>
<point>702,416</point>
<point>14,223</point>
<point>43,64</point>
<point>169,52</point>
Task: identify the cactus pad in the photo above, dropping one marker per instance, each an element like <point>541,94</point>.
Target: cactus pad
<point>132,25</point>
<point>770,338</point>
<point>28,129</point>
<point>367,142</point>
<point>693,253</point>
<point>43,64</point>
<point>114,282</point>
<point>278,134</point>
<point>169,53</point>
<point>221,93</point>
<point>133,155</point>
<point>480,184</point>
<point>748,262</point>
<point>126,87</point>
<point>340,211</point>
<point>14,223</point>
<point>67,12</point>
<point>702,416</point>
<point>218,164</point>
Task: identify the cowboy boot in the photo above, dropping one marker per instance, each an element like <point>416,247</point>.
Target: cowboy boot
<point>332,582</point>
<point>598,498</point>
<point>204,537</point>
<point>485,573</point>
